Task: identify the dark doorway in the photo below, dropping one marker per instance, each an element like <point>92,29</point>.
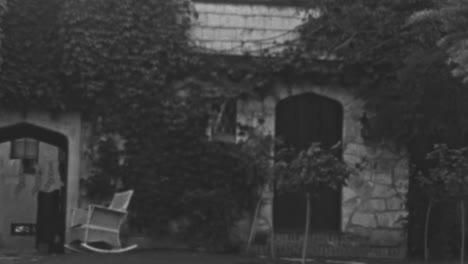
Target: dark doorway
<point>51,206</point>
<point>301,120</point>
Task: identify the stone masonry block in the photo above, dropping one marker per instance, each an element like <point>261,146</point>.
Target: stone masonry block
<point>390,219</point>
<point>401,170</point>
<point>348,194</point>
<point>349,206</point>
<point>367,175</point>
<point>228,20</point>
<point>210,33</point>
<point>260,22</point>
<point>230,34</point>
<point>351,159</point>
<point>383,237</point>
<point>196,33</point>
<point>395,203</point>
<point>366,220</point>
<point>253,34</point>
<point>355,149</point>
<point>285,23</point>
<point>360,231</point>
<point>383,178</point>
<point>402,186</point>
<point>374,205</point>
<point>206,7</point>
<point>384,164</point>
<point>359,185</point>
<point>382,191</point>
<point>203,19</point>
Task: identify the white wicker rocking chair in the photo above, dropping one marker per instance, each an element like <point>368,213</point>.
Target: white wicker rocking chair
<point>101,224</point>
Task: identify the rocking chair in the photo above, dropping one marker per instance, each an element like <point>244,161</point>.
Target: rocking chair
<point>101,224</point>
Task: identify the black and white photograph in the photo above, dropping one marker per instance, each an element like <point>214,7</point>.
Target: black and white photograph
<point>233,131</point>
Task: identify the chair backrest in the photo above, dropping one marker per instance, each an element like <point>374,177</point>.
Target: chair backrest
<point>121,200</point>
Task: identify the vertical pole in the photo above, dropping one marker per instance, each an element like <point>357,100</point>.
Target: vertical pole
<point>253,225</point>
<point>306,231</point>
<point>272,236</point>
<point>426,230</point>
<point>462,248</point>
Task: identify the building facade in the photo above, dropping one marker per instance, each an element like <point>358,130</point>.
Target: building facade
<point>363,218</point>
<point>366,217</point>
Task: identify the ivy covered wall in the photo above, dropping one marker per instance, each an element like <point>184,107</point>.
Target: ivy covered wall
<point>115,62</point>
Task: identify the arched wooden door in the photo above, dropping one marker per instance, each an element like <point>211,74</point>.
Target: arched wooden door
<point>301,120</point>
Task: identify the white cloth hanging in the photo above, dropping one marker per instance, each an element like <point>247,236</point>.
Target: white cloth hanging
<point>13,168</point>
<point>51,175</point>
<point>17,169</point>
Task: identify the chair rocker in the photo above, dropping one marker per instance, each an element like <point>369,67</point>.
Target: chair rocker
<point>99,224</point>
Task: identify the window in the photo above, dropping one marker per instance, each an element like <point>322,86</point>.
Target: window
<point>224,119</point>
<point>26,150</point>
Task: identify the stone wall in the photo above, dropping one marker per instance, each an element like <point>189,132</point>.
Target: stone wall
<point>240,28</point>
<point>373,202</point>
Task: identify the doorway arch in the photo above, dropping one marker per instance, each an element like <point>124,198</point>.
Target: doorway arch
<point>51,207</point>
<point>301,120</point>
<point>23,130</point>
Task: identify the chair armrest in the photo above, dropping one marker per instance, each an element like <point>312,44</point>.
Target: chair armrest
<point>105,209</point>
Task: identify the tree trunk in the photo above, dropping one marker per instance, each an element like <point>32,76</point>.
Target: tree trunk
<point>306,231</point>
<point>272,240</point>
<point>426,230</point>
<point>253,225</point>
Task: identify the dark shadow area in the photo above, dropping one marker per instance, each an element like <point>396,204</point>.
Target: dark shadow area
<point>300,121</point>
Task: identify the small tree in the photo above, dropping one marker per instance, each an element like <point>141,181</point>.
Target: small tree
<point>447,179</point>
<point>259,148</point>
<point>307,171</point>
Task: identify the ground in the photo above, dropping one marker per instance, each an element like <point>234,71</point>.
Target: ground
<point>174,257</point>
<point>140,257</point>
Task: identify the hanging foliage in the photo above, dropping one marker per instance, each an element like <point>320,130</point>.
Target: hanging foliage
<point>115,61</point>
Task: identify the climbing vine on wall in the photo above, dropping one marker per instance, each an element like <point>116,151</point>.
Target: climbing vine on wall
<point>369,48</point>
<point>90,55</point>
<point>115,62</point>
<point>402,75</point>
